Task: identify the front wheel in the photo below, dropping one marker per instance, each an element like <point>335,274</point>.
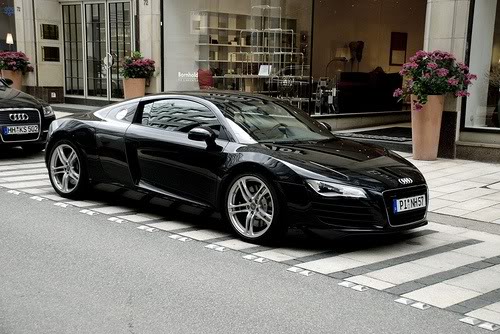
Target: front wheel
<point>252,207</point>
<point>67,170</point>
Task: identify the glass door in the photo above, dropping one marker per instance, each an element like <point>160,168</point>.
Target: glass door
<point>93,63</point>
<point>120,44</point>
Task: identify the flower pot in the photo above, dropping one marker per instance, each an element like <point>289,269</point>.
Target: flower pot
<point>15,76</point>
<point>134,87</point>
<point>426,127</point>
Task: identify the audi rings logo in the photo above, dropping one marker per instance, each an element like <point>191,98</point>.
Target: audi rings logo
<point>18,117</point>
<point>405,180</point>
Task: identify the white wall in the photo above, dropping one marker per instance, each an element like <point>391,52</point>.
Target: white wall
<point>50,74</point>
<point>338,22</point>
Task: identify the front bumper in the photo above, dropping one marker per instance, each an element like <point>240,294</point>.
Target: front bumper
<point>306,209</point>
<point>34,139</point>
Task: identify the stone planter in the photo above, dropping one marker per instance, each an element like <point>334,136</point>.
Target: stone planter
<point>15,76</point>
<point>134,87</point>
<point>426,128</point>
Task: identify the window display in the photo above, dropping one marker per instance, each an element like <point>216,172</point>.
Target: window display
<point>482,107</point>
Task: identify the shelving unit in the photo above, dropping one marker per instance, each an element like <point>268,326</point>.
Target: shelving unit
<point>249,52</point>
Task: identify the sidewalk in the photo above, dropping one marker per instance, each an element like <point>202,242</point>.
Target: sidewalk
<point>462,188</point>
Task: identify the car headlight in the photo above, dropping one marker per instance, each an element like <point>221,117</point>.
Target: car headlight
<point>48,111</point>
<point>330,189</point>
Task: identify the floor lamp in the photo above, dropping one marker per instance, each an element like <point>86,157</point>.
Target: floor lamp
<point>9,40</point>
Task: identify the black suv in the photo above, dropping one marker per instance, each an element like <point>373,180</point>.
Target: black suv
<point>24,119</point>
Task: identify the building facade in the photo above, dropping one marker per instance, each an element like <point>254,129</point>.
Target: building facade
<point>337,58</point>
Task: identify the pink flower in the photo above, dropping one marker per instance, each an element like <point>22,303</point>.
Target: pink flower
<point>463,67</point>
<point>418,106</point>
<point>421,54</point>
<point>471,77</point>
<point>403,72</point>
<point>427,75</point>
<point>398,92</point>
<point>453,81</point>
<point>442,72</point>
<point>462,93</point>
<point>432,66</point>
<point>410,65</point>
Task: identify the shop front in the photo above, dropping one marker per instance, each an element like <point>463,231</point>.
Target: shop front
<point>480,122</point>
<point>334,59</point>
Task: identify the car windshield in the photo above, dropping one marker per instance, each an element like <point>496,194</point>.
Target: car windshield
<point>260,120</point>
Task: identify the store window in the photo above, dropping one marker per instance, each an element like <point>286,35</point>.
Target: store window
<point>7,26</point>
<point>253,46</point>
<point>482,107</point>
<point>350,65</point>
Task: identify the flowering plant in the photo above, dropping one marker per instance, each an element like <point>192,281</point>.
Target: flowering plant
<point>434,73</point>
<point>136,66</point>
<point>15,61</point>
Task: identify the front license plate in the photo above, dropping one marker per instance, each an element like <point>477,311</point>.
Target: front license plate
<point>408,204</point>
<point>20,129</point>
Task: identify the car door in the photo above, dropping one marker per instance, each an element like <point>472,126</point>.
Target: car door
<point>166,160</point>
<point>110,138</point>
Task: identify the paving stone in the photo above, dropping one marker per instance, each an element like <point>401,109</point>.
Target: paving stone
<point>255,249</point>
<point>318,256</point>
<point>459,309</point>
<point>292,262</point>
<point>340,275</point>
<point>480,265</point>
<point>475,303</point>
<point>357,271</point>
<point>405,288</point>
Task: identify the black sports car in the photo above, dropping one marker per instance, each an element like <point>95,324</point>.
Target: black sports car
<point>263,164</point>
<point>24,120</point>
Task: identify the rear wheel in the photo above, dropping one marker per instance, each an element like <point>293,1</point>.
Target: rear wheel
<point>252,207</point>
<point>67,170</point>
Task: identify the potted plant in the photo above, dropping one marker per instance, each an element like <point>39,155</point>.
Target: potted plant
<point>13,66</point>
<point>135,70</point>
<point>428,77</point>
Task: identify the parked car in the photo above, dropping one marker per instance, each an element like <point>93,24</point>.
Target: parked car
<point>262,163</point>
<point>24,119</point>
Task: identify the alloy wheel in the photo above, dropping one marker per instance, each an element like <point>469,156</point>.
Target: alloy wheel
<point>65,168</point>
<point>250,206</point>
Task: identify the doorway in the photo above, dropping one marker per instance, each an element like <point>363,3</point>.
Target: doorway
<point>97,37</point>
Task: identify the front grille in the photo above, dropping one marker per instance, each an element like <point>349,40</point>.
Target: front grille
<point>408,217</point>
<point>34,119</point>
<point>348,213</point>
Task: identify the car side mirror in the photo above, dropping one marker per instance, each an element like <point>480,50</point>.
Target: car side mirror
<point>9,82</point>
<point>327,126</point>
<point>203,133</point>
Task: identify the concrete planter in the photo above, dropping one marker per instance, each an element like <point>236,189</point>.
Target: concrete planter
<point>15,76</point>
<point>426,128</point>
<point>134,87</point>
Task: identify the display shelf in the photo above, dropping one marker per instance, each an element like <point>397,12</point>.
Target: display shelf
<point>246,43</point>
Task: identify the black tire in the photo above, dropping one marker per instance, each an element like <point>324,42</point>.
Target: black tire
<point>33,148</point>
<point>82,186</point>
<point>277,228</point>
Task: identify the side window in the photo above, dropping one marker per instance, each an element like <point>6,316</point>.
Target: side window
<point>178,115</point>
<point>124,112</point>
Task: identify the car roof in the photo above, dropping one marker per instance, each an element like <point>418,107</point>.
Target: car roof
<point>218,95</point>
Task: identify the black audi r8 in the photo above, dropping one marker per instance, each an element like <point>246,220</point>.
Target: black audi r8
<point>24,120</point>
<point>263,164</point>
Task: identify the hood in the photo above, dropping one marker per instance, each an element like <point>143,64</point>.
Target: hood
<point>346,161</point>
<point>13,98</point>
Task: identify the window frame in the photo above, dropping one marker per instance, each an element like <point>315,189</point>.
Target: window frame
<point>225,133</point>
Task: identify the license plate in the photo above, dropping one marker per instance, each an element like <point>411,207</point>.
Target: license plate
<point>408,204</point>
<point>19,129</point>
